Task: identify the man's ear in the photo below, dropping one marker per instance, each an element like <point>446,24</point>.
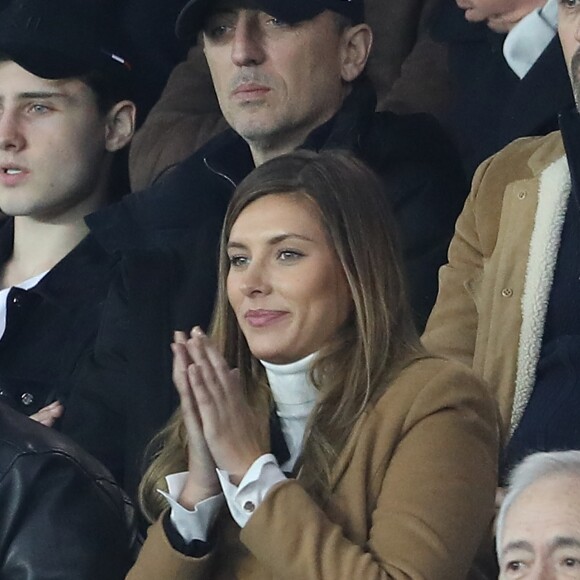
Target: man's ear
<point>120,125</point>
<point>356,47</point>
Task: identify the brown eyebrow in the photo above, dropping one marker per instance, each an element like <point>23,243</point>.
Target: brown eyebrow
<point>273,241</point>
<point>43,95</point>
<point>40,95</point>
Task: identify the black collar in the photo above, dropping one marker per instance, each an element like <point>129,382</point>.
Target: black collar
<point>77,278</point>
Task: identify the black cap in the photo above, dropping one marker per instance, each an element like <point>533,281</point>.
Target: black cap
<point>56,39</point>
<point>192,17</point>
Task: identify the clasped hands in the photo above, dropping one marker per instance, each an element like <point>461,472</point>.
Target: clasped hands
<point>222,429</point>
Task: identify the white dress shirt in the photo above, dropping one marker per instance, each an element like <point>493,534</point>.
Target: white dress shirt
<point>294,398</point>
<point>528,39</point>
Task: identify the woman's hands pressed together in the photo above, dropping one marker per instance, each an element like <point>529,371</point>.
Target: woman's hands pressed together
<point>222,429</point>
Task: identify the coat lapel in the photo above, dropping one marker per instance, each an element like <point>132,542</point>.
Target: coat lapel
<point>553,193</point>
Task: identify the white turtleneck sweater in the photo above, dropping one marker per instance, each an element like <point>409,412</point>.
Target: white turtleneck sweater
<point>294,398</point>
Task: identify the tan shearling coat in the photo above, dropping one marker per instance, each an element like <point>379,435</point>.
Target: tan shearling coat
<point>412,497</point>
<point>494,292</point>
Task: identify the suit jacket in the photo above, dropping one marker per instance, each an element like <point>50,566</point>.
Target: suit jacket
<point>492,106</point>
<point>408,69</point>
<point>494,292</point>
<point>412,496</point>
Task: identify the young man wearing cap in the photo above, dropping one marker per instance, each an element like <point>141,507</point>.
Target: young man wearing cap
<point>287,75</point>
<point>63,115</point>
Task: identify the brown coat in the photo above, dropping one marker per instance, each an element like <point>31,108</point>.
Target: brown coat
<point>408,70</point>
<point>412,497</point>
<point>493,293</point>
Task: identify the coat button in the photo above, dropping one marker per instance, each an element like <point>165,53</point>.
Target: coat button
<point>27,399</point>
<point>249,507</point>
<point>16,300</point>
<point>522,195</point>
<point>507,292</point>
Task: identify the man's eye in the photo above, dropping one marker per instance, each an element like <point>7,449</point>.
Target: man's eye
<point>38,108</point>
<point>277,22</point>
<point>216,31</point>
<point>513,568</point>
<point>569,3</point>
<point>570,562</point>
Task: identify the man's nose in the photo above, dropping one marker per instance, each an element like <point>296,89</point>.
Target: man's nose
<point>247,45</point>
<point>11,137</point>
<point>542,571</point>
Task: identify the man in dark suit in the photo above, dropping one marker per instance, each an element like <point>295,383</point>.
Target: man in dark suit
<point>509,72</point>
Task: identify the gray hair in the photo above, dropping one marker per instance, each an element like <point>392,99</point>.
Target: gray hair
<point>533,468</point>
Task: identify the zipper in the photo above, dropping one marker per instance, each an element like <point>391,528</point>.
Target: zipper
<point>216,172</point>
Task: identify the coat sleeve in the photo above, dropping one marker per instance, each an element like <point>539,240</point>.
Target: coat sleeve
<point>60,522</point>
<point>435,503</point>
<point>159,559</point>
<point>452,326</point>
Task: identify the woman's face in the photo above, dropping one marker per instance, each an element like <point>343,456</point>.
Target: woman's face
<point>285,282</point>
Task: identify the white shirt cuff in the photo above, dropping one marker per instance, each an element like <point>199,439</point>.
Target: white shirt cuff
<point>243,500</point>
<point>195,524</point>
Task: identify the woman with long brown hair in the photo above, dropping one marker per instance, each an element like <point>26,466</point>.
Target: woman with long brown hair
<point>316,438</point>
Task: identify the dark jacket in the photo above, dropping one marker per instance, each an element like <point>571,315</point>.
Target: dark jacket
<point>51,327</point>
<point>168,236</point>
<point>493,107</point>
<point>61,514</point>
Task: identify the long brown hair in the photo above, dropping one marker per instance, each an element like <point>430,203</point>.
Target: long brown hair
<point>369,350</point>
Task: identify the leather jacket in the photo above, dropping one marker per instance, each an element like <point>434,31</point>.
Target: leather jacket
<point>61,514</point>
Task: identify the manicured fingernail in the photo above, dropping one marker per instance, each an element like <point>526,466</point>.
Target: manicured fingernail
<point>197,331</point>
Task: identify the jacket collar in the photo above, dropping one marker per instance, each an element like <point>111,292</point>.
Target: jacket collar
<point>77,278</point>
<point>553,186</point>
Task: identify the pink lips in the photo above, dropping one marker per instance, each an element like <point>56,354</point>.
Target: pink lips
<point>261,318</point>
<point>12,175</point>
<point>250,91</point>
